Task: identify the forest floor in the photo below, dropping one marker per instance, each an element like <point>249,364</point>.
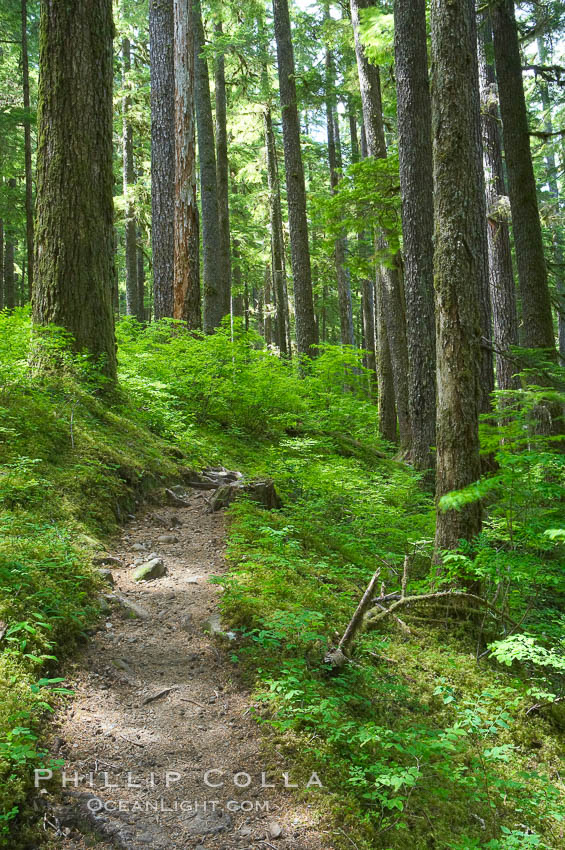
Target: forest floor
<point>156,705</point>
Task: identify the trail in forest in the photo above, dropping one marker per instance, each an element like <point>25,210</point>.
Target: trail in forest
<point>158,715</point>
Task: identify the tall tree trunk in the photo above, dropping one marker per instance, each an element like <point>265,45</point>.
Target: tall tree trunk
<point>268,307</point>
<point>216,293</point>
<point>501,275</point>
<point>385,379</point>
<point>115,275</point>
<point>140,278</point>
<point>343,283</point>
<point>532,271</point>
<point>27,152</point>
<point>277,238</point>
<point>161,38</point>
<point>416,187</point>
<point>391,326</point>
<point>369,339</point>
<point>132,295</point>
<point>458,266</point>
<point>9,271</point>
<point>237,308</point>
<point>1,264</point>
<point>306,330</point>
<point>222,168</point>
<point>367,286</point>
<point>74,238</point>
<point>186,276</point>
<point>551,165</point>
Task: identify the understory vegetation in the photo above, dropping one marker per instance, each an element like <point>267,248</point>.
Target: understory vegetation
<point>446,729</point>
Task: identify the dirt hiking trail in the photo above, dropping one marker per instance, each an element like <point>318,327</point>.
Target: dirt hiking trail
<point>155,693</point>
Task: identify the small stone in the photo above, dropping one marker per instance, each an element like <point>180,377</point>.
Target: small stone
<point>103,605</point>
<point>132,609</point>
<point>139,547</point>
<point>155,568</point>
<point>106,560</point>
<point>107,576</point>
<point>122,664</point>
<point>167,538</point>
<point>275,829</point>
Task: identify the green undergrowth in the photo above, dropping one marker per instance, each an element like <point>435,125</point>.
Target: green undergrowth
<point>446,729</point>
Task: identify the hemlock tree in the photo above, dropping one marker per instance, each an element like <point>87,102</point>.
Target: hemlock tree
<point>161,39</point>
<point>501,275</point>
<point>306,330</point>
<point>132,291</point>
<point>390,311</point>
<point>222,169</point>
<point>335,166</point>
<point>537,319</point>
<point>458,264</point>
<point>186,275</point>
<point>74,236</point>
<point>216,281</point>
<point>27,152</point>
<point>416,187</point>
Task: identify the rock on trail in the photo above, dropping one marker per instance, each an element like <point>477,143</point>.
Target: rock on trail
<point>160,751</point>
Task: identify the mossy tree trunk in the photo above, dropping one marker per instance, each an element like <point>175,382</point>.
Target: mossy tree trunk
<point>306,328</point>
<point>277,237</point>
<point>332,129</point>
<point>216,283</point>
<point>552,182</point>
<point>532,270</point>
<point>132,292</point>
<point>416,182</point>
<point>459,266</point>
<point>161,38</point>
<point>74,236</point>
<point>501,275</point>
<point>222,171</point>
<point>392,367</point>
<point>27,153</point>
<point>186,274</point>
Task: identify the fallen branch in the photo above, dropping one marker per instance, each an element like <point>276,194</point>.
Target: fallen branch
<point>539,705</point>
<point>338,656</point>
<point>375,618</point>
<point>159,694</point>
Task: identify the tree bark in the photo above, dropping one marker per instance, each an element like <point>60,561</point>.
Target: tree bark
<point>552,171</point>
<point>237,299</point>
<point>532,270</point>
<point>161,38</point>
<point>416,187</point>
<point>222,168</point>
<point>277,238</point>
<point>343,283</point>
<point>391,325</point>
<point>140,278</point>
<point>74,237</point>
<point>27,153</point>
<point>216,293</point>
<point>268,307</point>
<point>306,329</point>
<point>385,379</point>
<point>501,275</point>
<point>458,267</point>
<point>9,271</point>
<point>132,295</point>
<point>186,305</point>
<point>1,264</point>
